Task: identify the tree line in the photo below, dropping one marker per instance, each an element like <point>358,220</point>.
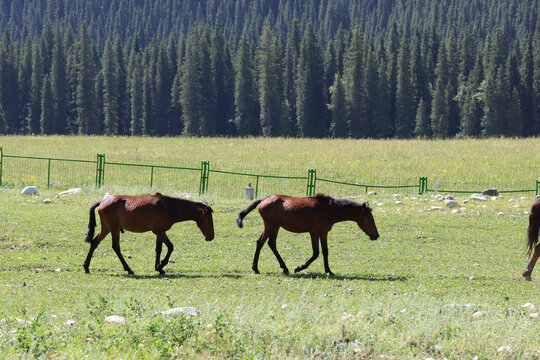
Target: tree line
<point>400,83</point>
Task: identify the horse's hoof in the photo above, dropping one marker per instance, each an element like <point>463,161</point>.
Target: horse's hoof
<point>256,271</point>
<point>130,272</point>
<point>285,271</point>
<point>161,272</point>
<point>331,274</point>
<point>527,276</point>
<point>86,269</point>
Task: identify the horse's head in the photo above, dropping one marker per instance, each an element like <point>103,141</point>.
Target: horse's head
<point>366,222</point>
<point>205,222</point>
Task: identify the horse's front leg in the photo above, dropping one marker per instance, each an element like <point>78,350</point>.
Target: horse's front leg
<point>159,246</point>
<point>324,246</point>
<point>315,245</point>
<point>527,274</point>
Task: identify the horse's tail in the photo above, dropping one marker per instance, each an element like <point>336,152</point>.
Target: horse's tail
<point>92,222</point>
<point>242,214</point>
<point>534,226</point>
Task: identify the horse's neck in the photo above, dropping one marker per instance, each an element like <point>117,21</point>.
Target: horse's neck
<point>184,212</point>
<point>345,213</point>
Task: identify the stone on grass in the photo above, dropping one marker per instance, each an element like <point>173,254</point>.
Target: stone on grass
<point>69,323</point>
<point>372,193</point>
<point>29,190</point>
<point>188,310</point>
<point>450,203</point>
<point>533,315</point>
<point>47,201</point>
<point>455,211</point>
<point>500,213</point>
<point>477,197</point>
<point>490,192</point>
<point>494,198</point>
<point>436,208</point>
<point>479,314</point>
<point>71,191</point>
<point>439,197</point>
<point>115,319</point>
<point>399,202</point>
<point>22,321</point>
<point>449,197</point>
<point>504,348</point>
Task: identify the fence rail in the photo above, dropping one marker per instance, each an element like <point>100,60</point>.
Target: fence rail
<point>205,171</point>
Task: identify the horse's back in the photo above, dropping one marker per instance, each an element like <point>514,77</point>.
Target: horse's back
<point>296,214</point>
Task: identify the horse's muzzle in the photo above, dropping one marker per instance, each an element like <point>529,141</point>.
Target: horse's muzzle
<point>374,237</point>
<point>209,238</point>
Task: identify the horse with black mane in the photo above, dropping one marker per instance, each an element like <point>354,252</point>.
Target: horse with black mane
<point>315,215</point>
<point>156,213</point>
<point>532,239</point>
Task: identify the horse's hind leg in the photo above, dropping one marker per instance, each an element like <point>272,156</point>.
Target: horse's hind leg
<point>272,244</point>
<point>530,266</point>
<point>260,244</point>
<point>315,245</point>
<point>93,245</point>
<point>159,245</point>
<point>170,248</point>
<point>116,248</point>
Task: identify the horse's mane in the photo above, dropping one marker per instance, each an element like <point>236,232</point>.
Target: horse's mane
<point>339,203</point>
<point>185,202</point>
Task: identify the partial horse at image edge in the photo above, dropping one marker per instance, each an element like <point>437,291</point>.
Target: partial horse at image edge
<point>315,215</point>
<point>156,213</point>
<point>532,239</point>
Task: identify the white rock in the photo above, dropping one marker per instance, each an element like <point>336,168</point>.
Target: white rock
<point>479,314</point>
<point>533,315</point>
<point>284,306</point>
<point>22,321</point>
<point>29,190</point>
<point>504,348</point>
<point>115,319</point>
<point>477,197</point>
<point>527,305</point>
<point>493,198</point>
<point>515,206</point>
<point>414,198</point>
<point>471,278</point>
<point>69,323</point>
<point>465,201</point>
<point>449,197</point>
<point>523,197</point>
<point>71,191</point>
<point>455,211</point>
<point>462,209</point>
<point>57,270</point>
<point>46,201</point>
<point>436,208</point>
<point>188,310</point>
<point>439,197</point>
<point>500,213</point>
<point>372,193</point>
<point>450,203</point>
<point>379,204</point>
<point>399,202</point>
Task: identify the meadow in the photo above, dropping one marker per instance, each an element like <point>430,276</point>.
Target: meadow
<point>437,284</point>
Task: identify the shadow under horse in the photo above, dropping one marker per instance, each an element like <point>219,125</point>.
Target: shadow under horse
<point>156,213</point>
<point>315,215</point>
<point>532,239</point>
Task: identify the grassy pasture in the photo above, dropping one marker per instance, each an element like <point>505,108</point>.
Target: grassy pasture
<point>408,295</point>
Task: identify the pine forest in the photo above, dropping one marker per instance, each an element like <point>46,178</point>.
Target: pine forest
<point>290,68</point>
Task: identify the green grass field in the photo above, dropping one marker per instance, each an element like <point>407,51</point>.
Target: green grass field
<point>412,294</point>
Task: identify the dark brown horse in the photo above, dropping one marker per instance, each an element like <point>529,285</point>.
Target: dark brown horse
<point>156,213</point>
<point>315,215</point>
<point>532,235</point>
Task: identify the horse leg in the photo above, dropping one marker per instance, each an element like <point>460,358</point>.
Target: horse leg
<point>260,244</point>
<point>530,266</point>
<point>93,245</point>
<point>170,249</point>
<point>159,245</point>
<point>315,245</point>
<point>272,244</point>
<point>324,246</point>
<point>116,248</point>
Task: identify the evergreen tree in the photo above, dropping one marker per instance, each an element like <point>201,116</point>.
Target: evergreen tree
<point>353,72</point>
<point>525,89</point>
<point>163,85</point>
<point>535,126</point>
<point>110,90</point>
<point>9,95</point>
<point>472,109</point>
<point>47,119</point>
<point>439,107</point>
<point>291,65</point>
<point>309,85</point>
<point>124,119</point>
<point>338,128</point>
<point>59,84</point>
<point>34,113</point>
<point>405,112</point>
<point>515,121</point>
<point>191,97</point>
<point>87,111</point>
<point>136,95</point>
<point>422,121</point>
<point>206,85</point>
<point>224,84</point>
<point>245,92</point>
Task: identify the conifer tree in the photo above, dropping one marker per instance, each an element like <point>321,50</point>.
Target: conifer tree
<point>353,77</point>
<point>87,111</point>
<point>47,117</point>
<point>34,113</point>
<point>405,112</point>
<point>245,92</point>
<point>224,84</point>
<point>338,127</point>
<point>309,85</point>
<point>110,90</point>
<point>422,122</point>
<point>291,65</point>
<point>59,84</point>
<point>136,95</point>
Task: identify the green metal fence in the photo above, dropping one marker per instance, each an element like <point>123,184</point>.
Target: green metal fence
<point>63,172</point>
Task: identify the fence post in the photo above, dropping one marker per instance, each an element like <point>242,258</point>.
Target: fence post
<point>1,164</point>
<point>311,182</point>
<point>205,171</point>
<point>537,181</point>
<point>100,170</point>
<point>49,175</point>
<point>422,185</point>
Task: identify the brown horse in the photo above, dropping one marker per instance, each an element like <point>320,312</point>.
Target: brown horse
<point>532,235</point>
<point>156,213</point>
<point>315,215</point>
